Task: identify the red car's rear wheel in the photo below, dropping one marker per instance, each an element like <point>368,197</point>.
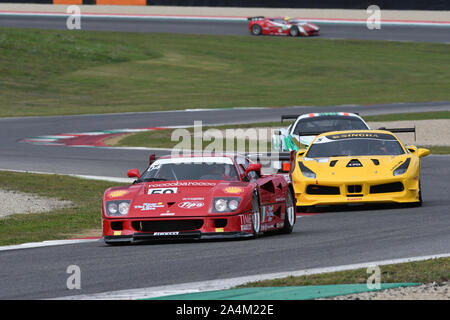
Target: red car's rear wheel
<point>289,215</point>
<point>256,29</point>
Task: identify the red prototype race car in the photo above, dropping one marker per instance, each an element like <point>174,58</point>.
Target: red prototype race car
<point>281,26</point>
<point>198,197</point>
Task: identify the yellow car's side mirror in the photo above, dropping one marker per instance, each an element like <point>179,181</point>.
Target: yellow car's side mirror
<point>422,152</point>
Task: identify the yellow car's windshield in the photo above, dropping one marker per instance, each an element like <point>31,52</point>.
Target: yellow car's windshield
<point>341,146</point>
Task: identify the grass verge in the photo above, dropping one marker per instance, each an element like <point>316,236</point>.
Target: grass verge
<point>48,72</point>
<point>163,138</point>
<point>58,224</point>
<point>428,271</point>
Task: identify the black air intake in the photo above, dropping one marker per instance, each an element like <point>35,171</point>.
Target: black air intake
<point>316,189</point>
<point>167,225</point>
<point>387,187</point>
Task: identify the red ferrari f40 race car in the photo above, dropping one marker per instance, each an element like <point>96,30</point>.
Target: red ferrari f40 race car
<point>198,197</point>
<point>281,26</point>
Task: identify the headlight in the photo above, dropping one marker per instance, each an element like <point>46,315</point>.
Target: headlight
<point>117,208</point>
<point>307,173</point>
<point>233,204</point>
<point>402,168</point>
<point>123,208</point>
<point>220,205</point>
<point>228,204</point>
<point>112,208</point>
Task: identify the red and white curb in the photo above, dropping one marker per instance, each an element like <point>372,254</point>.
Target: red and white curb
<point>85,139</point>
<point>223,284</point>
<point>220,18</point>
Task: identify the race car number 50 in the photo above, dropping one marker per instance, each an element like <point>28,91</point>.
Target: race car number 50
<point>162,190</point>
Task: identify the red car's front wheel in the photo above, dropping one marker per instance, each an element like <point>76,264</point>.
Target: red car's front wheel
<point>293,31</point>
<point>256,216</point>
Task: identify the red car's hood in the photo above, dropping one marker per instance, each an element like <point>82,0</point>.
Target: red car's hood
<point>176,198</point>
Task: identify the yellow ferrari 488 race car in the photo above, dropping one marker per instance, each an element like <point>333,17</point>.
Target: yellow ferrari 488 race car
<point>357,166</point>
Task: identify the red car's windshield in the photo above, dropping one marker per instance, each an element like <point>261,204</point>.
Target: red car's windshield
<point>188,170</point>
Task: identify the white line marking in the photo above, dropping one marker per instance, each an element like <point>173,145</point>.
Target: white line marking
<point>47,243</point>
<point>89,177</point>
<point>223,284</point>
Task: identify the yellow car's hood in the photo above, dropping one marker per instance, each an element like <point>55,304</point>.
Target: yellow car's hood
<point>354,167</point>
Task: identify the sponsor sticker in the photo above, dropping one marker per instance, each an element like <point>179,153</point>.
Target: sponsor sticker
<point>162,190</point>
<point>191,204</point>
<point>171,233</point>
<point>149,206</point>
<point>246,222</point>
<point>266,213</point>
<point>185,184</point>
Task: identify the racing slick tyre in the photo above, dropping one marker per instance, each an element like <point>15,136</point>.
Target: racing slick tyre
<point>289,216</point>
<point>419,203</point>
<point>256,216</point>
<point>293,31</point>
<point>256,30</point>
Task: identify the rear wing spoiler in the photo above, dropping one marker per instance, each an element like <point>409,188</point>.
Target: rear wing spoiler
<point>286,159</point>
<point>255,18</point>
<point>295,116</point>
<point>274,156</point>
<point>289,116</point>
<point>400,130</point>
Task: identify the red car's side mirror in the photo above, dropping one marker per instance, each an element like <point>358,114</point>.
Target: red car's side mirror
<point>253,167</point>
<point>151,159</point>
<point>134,173</point>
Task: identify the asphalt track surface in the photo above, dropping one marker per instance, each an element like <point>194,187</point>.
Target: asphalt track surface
<point>333,31</point>
<point>330,238</point>
<point>341,236</point>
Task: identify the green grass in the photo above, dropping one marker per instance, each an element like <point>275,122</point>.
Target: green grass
<point>433,270</point>
<point>438,149</point>
<point>48,72</point>
<point>86,196</point>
